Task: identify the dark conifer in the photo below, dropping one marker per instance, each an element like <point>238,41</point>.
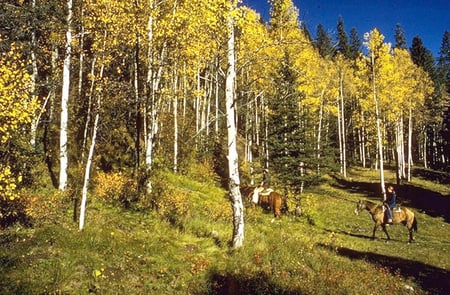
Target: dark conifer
<point>324,43</point>
<point>400,39</point>
<point>342,46</point>
<point>355,43</point>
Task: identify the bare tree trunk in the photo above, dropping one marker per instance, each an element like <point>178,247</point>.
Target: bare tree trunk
<point>175,119</point>
<point>344,154</point>
<point>363,140</point>
<point>88,166</point>
<point>34,77</point>
<point>379,135</point>
<point>88,115</point>
<point>63,154</point>
<point>153,102</point>
<point>234,181</point>
<point>410,129</point>
<point>341,158</point>
<point>319,131</point>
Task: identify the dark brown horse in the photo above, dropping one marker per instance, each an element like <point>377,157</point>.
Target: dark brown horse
<point>404,216</point>
<point>272,201</point>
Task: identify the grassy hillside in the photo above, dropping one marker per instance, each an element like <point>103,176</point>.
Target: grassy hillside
<point>184,247</point>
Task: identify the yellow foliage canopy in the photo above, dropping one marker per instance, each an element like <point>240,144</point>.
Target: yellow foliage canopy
<point>16,111</point>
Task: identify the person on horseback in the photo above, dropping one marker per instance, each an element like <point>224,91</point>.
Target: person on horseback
<point>264,187</point>
<point>265,183</point>
<point>390,203</point>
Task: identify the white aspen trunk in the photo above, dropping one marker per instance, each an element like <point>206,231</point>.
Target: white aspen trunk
<point>398,150</point>
<point>34,77</point>
<point>175,120</point>
<point>81,61</point>
<point>360,146</point>
<point>216,123</point>
<point>137,144</point>
<point>184,94</point>
<point>88,115</point>
<point>410,129</point>
<point>63,155</point>
<point>319,131</point>
<point>363,140</point>
<point>152,103</point>
<point>340,138</point>
<point>233,167</point>
<point>402,147</point>
<point>208,107</point>
<point>88,166</point>
<point>379,136</point>
<point>197,105</point>
<point>344,147</point>
<point>266,134</point>
<point>257,119</point>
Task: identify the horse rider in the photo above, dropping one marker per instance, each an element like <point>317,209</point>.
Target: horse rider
<point>390,203</point>
<point>264,187</point>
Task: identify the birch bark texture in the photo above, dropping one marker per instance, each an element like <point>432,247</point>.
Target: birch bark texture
<point>63,156</point>
<point>234,182</point>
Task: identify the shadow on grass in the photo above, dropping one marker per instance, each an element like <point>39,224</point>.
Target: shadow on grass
<point>236,284</point>
<point>423,200</point>
<point>432,279</point>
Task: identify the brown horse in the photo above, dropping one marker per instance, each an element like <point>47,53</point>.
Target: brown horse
<point>404,216</point>
<point>272,201</point>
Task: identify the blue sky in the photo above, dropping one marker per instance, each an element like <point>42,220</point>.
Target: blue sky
<point>425,18</point>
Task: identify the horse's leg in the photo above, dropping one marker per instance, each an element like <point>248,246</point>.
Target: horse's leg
<point>411,237</point>
<point>383,226</point>
<point>374,230</point>
<point>410,229</point>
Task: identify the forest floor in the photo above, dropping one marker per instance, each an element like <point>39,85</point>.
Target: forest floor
<point>325,250</point>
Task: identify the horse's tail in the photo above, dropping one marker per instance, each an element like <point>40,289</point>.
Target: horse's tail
<point>414,224</point>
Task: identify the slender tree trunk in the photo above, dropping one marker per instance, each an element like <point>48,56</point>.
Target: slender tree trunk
<point>175,119</point>
<point>410,129</point>
<point>153,101</point>
<point>88,166</point>
<point>138,114</point>
<point>63,153</point>
<point>344,154</point>
<point>216,123</point>
<point>398,154</point>
<point>379,135</point>
<point>319,131</point>
<point>341,157</point>
<point>88,114</point>
<point>363,140</point>
<point>34,77</point>
<point>234,181</point>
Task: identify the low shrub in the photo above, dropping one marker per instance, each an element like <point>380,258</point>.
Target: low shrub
<point>115,188</point>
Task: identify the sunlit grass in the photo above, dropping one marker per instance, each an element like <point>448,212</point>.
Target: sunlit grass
<point>141,252</point>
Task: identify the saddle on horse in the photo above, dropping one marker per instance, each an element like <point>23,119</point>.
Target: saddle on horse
<point>260,191</point>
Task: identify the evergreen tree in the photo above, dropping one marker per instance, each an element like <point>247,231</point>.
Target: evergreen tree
<point>444,61</point>
<point>422,56</point>
<point>285,140</point>
<point>342,46</point>
<point>324,43</point>
<point>443,86</point>
<point>355,43</point>
<point>400,39</point>
<point>306,32</point>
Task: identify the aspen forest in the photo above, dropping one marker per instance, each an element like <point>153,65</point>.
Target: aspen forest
<point>144,83</point>
<point>100,100</point>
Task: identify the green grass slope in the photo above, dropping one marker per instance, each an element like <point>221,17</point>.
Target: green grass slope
<point>327,250</point>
